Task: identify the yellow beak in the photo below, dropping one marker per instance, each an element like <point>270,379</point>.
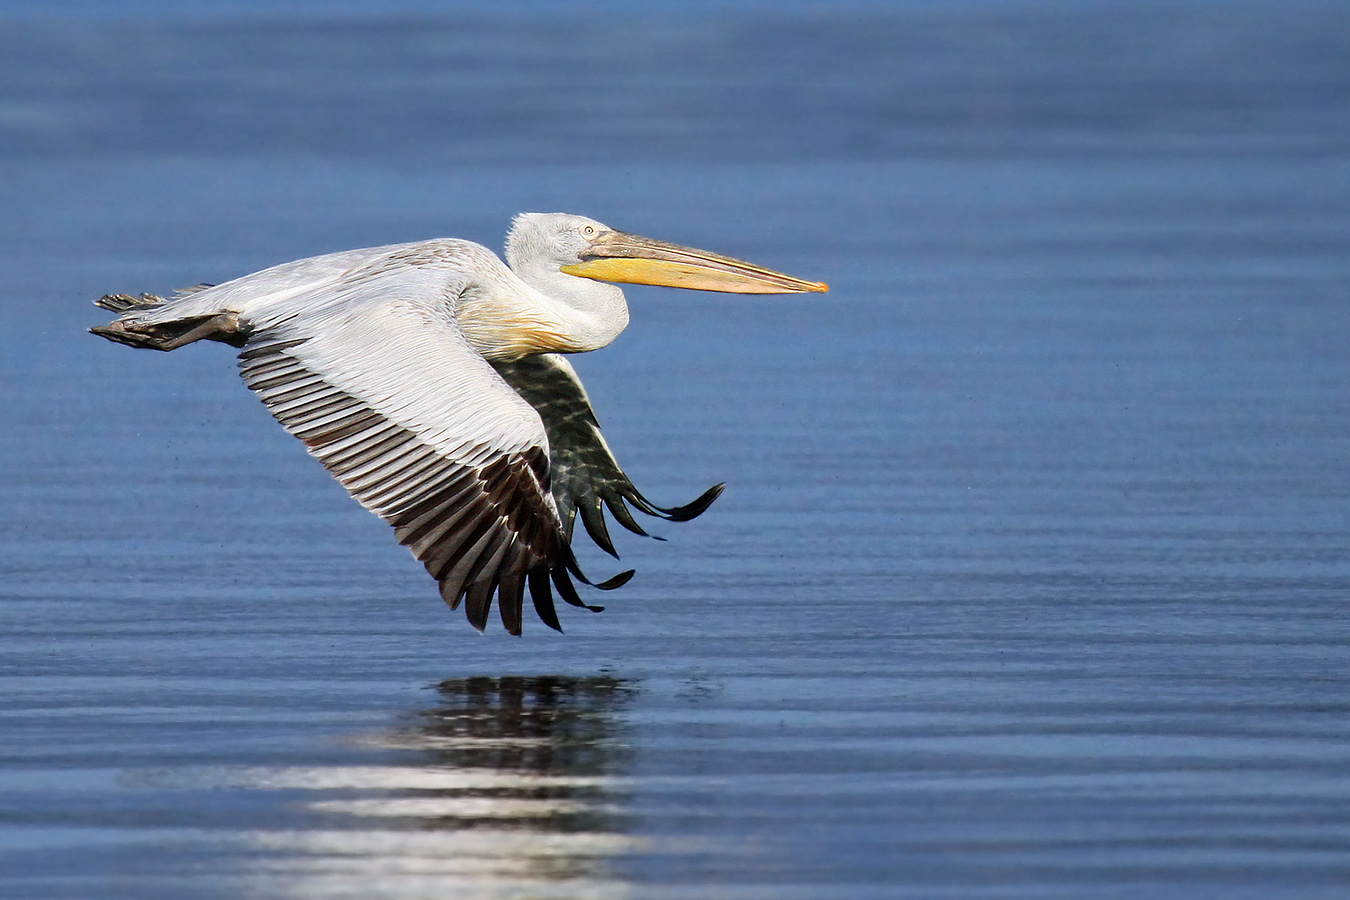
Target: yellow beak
<point>630,259</point>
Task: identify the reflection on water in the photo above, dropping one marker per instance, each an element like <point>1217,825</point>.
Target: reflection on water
<point>508,786</point>
<point>542,725</point>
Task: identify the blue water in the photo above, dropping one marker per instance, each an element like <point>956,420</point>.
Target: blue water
<point>1031,575</point>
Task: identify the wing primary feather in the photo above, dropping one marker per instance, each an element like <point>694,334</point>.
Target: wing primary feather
<point>450,551</point>
<point>461,567</point>
<point>437,536</point>
<point>426,511</point>
<point>570,565</point>
<point>429,504</point>
<point>486,567</point>
<point>451,598</point>
<point>478,599</point>
<point>593,520</point>
<point>568,591</point>
<point>428,521</point>
<point>623,516</point>
<point>511,588</point>
<point>477,603</point>
<point>542,596</point>
<point>617,581</point>
<point>684,513</point>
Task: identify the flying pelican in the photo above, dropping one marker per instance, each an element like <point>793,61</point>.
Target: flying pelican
<point>427,378</point>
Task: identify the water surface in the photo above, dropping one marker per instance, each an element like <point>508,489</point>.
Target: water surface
<point>1030,578</point>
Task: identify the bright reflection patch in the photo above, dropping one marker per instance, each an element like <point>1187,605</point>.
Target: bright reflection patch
<point>511,787</point>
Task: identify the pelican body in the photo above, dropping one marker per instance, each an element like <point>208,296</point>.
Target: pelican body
<point>429,379</point>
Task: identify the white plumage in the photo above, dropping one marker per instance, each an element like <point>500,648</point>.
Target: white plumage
<point>424,377</point>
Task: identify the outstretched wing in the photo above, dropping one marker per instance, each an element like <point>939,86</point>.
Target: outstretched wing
<point>585,473</point>
<point>383,388</point>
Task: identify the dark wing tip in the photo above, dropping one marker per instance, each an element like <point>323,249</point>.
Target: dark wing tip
<point>617,581</point>
<point>696,508</point>
<point>568,591</point>
<point>593,520</point>
<point>616,507</point>
<point>510,599</point>
<point>542,597</point>
<point>672,514</point>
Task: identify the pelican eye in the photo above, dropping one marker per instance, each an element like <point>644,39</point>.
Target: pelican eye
<point>589,231</point>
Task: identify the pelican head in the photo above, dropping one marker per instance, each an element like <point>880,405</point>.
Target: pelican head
<point>584,248</point>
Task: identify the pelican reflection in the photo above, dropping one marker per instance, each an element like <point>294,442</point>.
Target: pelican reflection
<point>510,786</point>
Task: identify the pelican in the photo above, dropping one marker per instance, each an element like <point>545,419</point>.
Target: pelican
<point>429,379</point>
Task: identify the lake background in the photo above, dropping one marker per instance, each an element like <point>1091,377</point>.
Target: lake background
<point>1031,575</point>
